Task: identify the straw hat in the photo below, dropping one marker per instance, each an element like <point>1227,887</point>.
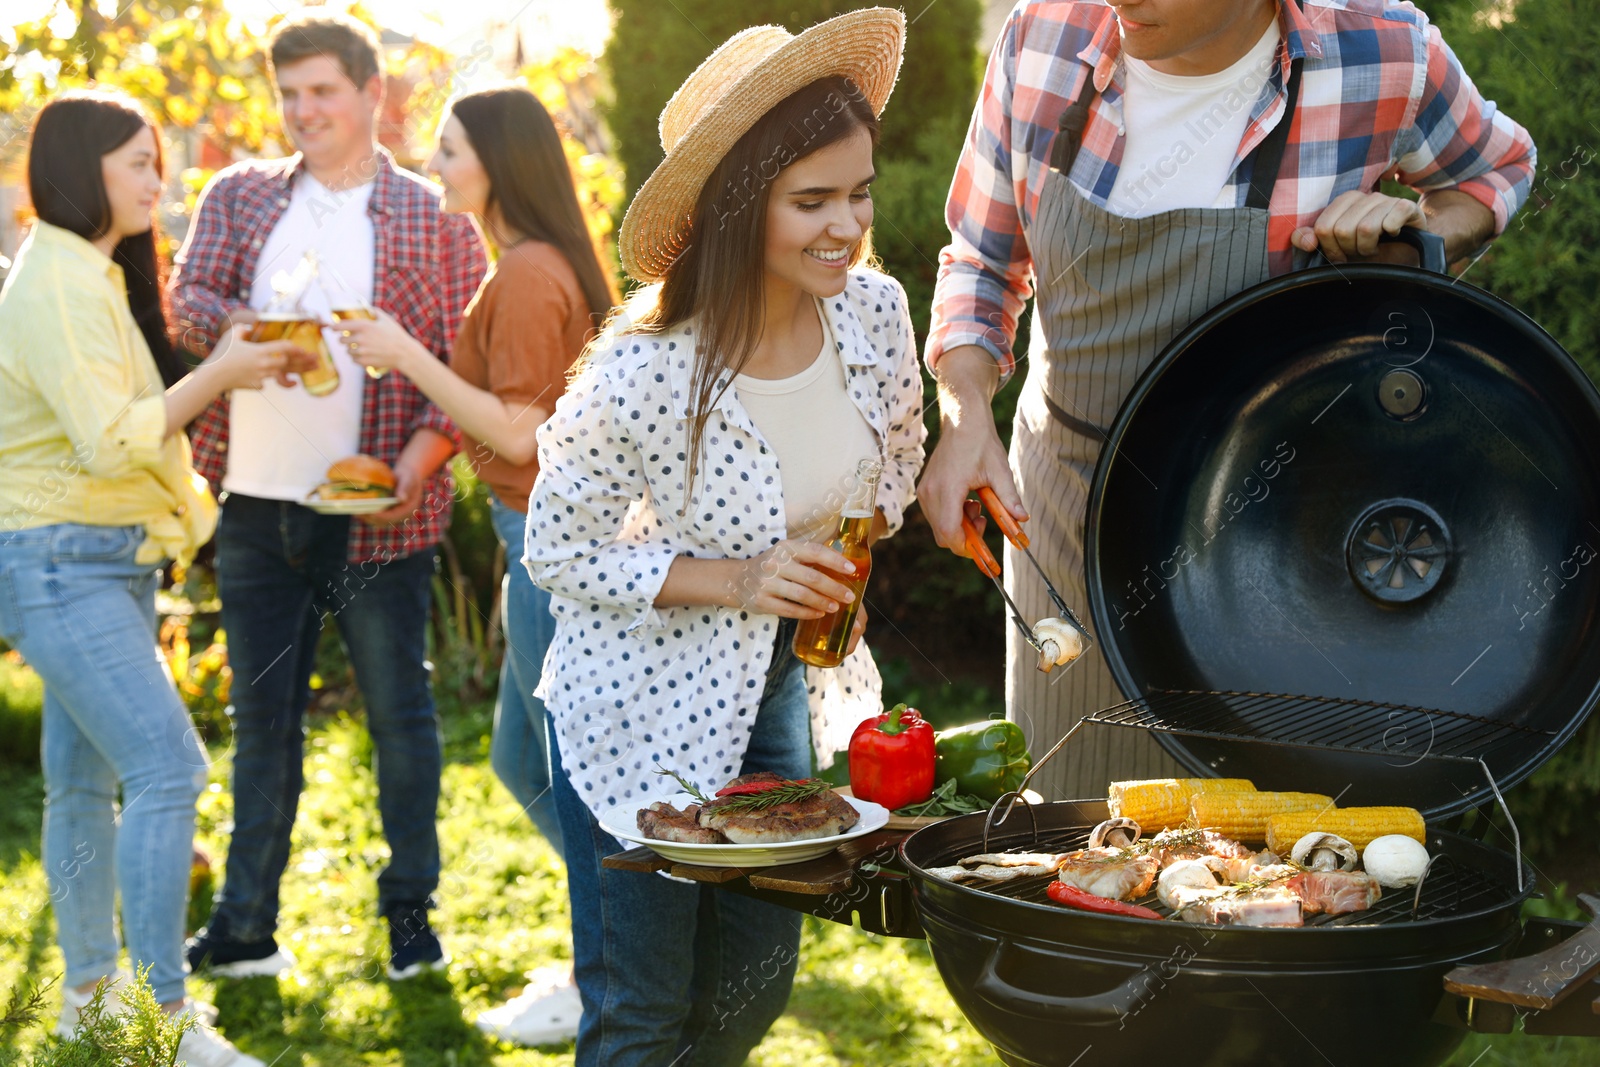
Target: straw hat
<point>741,81</point>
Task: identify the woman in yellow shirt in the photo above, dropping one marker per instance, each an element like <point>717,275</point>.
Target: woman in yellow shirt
<point>96,492</point>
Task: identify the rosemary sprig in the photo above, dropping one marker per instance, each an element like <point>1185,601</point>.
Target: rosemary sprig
<point>688,786</point>
<point>783,794</point>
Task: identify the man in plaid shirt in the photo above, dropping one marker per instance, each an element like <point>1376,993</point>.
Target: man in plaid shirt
<point>380,239</point>
<point>1134,163</point>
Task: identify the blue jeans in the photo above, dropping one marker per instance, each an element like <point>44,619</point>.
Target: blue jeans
<point>82,612</point>
<point>520,749</point>
<point>686,975</point>
<point>280,567</point>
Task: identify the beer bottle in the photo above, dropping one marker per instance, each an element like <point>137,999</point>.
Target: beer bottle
<point>822,642</point>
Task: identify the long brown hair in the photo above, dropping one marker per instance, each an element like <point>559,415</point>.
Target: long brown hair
<point>530,181</point>
<point>68,189</point>
<point>718,281</point>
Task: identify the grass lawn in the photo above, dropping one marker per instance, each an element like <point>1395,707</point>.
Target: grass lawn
<point>858,999</point>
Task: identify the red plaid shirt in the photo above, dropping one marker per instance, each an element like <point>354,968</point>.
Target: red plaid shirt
<point>427,266</point>
<point>1381,95</point>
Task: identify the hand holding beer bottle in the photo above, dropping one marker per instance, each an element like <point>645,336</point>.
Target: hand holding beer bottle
<point>825,642</point>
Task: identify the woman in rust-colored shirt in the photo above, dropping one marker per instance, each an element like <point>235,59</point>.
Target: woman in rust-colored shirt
<point>500,158</point>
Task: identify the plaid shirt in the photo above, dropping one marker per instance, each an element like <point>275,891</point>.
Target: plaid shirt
<point>427,266</point>
<point>1381,96</point>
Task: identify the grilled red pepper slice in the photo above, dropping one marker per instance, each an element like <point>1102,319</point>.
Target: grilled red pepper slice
<point>892,758</point>
<point>1073,897</point>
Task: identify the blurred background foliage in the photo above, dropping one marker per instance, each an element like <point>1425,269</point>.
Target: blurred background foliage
<point>938,625</point>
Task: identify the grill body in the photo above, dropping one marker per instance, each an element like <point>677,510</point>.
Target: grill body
<point>1048,985</point>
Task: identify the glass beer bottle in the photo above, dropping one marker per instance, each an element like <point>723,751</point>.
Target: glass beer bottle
<point>822,642</point>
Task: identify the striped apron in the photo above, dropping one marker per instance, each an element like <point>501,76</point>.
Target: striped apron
<point>1111,293</point>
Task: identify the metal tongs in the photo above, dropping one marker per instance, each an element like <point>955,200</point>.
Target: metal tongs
<point>991,567</point>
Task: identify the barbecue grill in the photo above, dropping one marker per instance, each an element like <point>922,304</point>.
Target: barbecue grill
<point>1338,541</point>
<point>1317,545</point>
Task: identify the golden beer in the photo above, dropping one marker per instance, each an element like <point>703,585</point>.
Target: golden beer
<point>306,332</point>
<point>360,311</point>
<point>823,642</point>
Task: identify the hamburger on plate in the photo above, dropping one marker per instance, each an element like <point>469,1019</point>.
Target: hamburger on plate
<point>356,478</point>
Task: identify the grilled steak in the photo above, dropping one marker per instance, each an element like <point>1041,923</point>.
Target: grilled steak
<point>827,815</point>
<point>1335,892</point>
<point>663,822</point>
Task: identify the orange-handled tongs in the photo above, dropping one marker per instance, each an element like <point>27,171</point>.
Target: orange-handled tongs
<point>991,567</point>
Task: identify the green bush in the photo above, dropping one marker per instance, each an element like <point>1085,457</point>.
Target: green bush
<point>1537,62</point>
<point>21,711</point>
<point>141,1036</point>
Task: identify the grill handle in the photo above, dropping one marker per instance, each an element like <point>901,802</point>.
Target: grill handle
<point>1115,1005</point>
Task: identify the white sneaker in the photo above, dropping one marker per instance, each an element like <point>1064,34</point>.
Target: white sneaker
<point>73,1003</point>
<point>204,1047</point>
<point>545,1013</point>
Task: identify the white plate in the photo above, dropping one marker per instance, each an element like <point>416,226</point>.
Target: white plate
<point>361,505</point>
<point>873,817</point>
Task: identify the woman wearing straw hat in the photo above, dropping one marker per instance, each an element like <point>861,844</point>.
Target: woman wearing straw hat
<point>698,448</point>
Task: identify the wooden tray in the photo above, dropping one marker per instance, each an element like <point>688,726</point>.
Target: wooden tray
<point>905,822</point>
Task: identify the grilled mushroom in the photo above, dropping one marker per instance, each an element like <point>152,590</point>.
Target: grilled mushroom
<point>1114,833</point>
<point>1059,642</point>
<point>1395,860</point>
<point>1324,852</point>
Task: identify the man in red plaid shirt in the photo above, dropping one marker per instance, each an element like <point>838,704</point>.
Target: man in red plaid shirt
<point>379,238</point>
<point>1132,164</point>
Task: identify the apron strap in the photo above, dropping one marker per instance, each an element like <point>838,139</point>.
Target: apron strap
<point>1267,159</point>
<point>1069,131</point>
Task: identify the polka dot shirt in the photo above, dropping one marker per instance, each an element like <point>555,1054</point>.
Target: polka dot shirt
<point>630,685</point>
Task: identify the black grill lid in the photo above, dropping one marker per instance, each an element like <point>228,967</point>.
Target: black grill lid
<point>1368,484</point>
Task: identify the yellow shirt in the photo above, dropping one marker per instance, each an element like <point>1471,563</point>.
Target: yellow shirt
<point>82,410</point>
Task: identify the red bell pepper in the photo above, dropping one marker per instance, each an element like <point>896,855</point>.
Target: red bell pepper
<point>1073,897</point>
<point>892,758</point>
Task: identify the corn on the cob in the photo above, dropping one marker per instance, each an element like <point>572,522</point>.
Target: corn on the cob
<point>1243,816</point>
<point>1163,803</point>
<point>1359,826</point>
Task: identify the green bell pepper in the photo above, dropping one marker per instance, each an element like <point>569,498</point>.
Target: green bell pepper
<point>987,759</point>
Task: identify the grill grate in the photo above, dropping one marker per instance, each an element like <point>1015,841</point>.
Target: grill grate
<point>1315,722</point>
<point>1449,889</point>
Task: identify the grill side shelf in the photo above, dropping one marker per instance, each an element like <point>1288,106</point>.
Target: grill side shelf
<point>1540,981</point>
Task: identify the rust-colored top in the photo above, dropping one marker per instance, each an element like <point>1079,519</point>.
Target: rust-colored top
<point>523,329</point>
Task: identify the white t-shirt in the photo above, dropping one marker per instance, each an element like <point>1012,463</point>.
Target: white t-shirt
<point>818,434</point>
<point>282,441</point>
<point>1184,132</point>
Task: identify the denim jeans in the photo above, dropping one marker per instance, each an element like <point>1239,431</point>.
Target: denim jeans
<point>82,612</point>
<point>280,567</point>
<point>674,974</point>
<point>520,749</point>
